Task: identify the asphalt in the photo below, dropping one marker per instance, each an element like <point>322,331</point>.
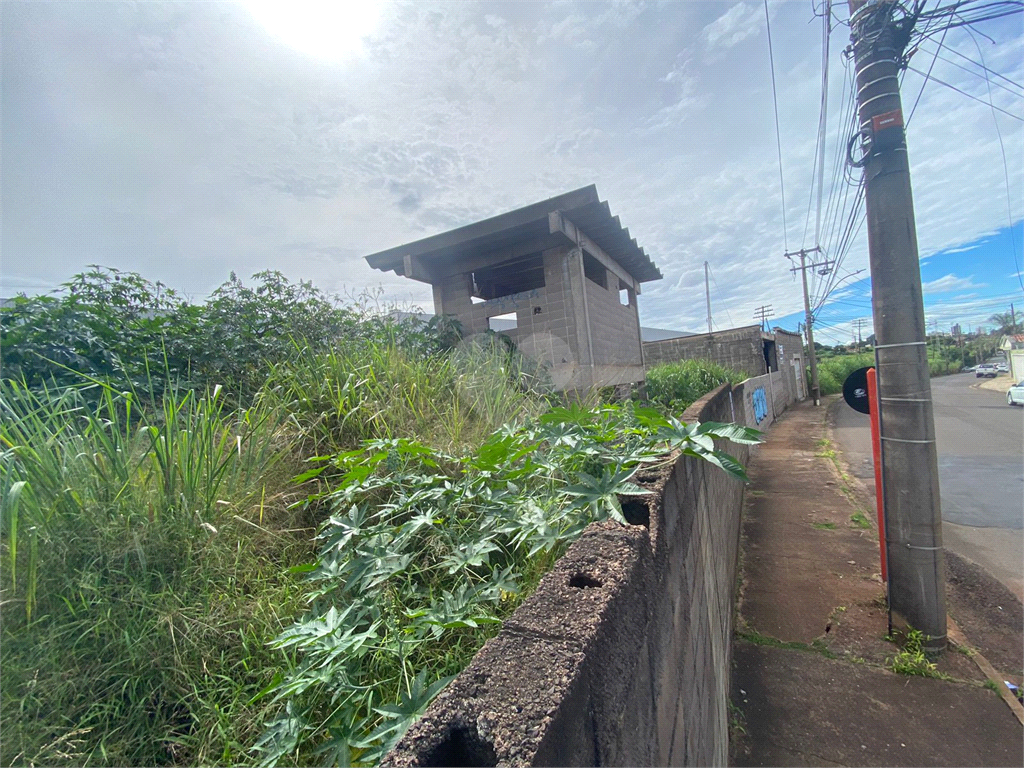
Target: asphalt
<point>980,442</point>
<point>811,681</point>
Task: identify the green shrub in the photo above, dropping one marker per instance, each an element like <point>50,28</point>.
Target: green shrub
<point>677,385</point>
<point>424,552</point>
<point>832,372</point>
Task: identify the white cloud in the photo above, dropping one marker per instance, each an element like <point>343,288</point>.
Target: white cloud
<point>184,141</point>
<point>950,283</point>
<point>734,26</point>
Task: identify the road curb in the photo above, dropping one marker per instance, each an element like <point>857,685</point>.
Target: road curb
<point>958,638</point>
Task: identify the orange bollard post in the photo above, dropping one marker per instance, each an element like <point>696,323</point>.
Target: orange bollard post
<point>876,451</point>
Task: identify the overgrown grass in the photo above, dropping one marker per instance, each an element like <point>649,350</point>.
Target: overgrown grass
<point>383,390</point>
<point>145,560</point>
<point>832,371</point>
<point>170,598</point>
<point>678,385</point>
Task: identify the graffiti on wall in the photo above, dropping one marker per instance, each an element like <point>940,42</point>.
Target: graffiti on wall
<point>760,403</point>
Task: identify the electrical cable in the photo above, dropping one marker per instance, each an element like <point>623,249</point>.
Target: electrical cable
<point>1006,172</point>
<point>964,93</point>
<point>778,134</point>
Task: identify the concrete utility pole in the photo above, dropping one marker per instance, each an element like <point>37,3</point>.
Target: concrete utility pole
<point>707,293</point>
<point>913,519</point>
<point>808,318</point>
<point>763,313</point>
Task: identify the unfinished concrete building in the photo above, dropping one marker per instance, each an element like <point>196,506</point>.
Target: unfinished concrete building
<point>560,277</point>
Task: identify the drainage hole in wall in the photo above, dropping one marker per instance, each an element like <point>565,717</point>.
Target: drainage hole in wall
<point>583,581</point>
<point>462,746</point>
<point>636,511</point>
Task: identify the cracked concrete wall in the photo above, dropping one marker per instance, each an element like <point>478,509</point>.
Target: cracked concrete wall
<point>621,656</point>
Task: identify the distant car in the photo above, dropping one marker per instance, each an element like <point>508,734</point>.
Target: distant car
<point>986,370</point>
<point>968,369</point>
<point>1015,394</point>
<point>1002,368</point>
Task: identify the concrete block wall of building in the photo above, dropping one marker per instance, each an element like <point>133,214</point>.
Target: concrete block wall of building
<point>741,349</point>
<point>576,322</point>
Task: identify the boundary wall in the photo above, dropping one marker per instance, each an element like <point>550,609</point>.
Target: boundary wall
<point>622,655</point>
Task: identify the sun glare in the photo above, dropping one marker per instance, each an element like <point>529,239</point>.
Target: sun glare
<point>328,29</point>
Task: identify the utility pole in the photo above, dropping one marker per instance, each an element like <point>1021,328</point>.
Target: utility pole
<point>808,319</point>
<point>707,293</point>
<point>763,313</point>
<point>910,477</point>
<point>859,322</point>
<point>1013,320</point>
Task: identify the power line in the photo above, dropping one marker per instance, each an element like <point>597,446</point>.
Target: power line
<point>981,66</point>
<point>984,74</point>
<point>930,67</point>
<point>1006,172</point>
<point>928,75</point>
<point>778,135</point>
<point>718,293</point>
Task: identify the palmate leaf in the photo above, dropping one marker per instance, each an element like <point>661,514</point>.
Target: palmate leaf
<point>470,554</point>
<point>737,433</point>
<point>281,736</point>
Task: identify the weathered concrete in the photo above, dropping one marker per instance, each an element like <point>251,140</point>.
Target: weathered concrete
<point>564,269</point>
<point>810,578</point>
<point>621,656</point>
<point>800,708</point>
<point>741,349</point>
<point>746,349</point>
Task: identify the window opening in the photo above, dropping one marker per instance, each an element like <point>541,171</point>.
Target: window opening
<point>503,323</point>
<point>510,277</point>
<point>594,270</point>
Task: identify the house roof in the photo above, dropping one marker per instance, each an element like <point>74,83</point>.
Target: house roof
<point>582,207</point>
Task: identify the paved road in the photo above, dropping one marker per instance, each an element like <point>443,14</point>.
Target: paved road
<point>981,472</point>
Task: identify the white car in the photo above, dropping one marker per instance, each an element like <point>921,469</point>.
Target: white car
<point>1002,368</point>
<point>1015,394</point>
<point>986,370</point>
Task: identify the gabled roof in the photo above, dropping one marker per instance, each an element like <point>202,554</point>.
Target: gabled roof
<point>582,207</point>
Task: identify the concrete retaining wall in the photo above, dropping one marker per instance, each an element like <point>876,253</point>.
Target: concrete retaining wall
<point>621,656</point>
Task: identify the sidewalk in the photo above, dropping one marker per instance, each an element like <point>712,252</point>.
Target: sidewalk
<point>810,683</point>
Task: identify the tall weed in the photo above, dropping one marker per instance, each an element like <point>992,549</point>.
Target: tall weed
<point>679,384</point>
<point>424,552</point>
<point>145,559</point>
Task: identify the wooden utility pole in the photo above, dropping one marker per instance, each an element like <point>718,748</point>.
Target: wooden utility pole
<point>879,30</point>
<point>808,318</point>
<point>762,313</point>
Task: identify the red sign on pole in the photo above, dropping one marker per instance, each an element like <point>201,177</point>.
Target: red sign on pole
<point>876,450</point>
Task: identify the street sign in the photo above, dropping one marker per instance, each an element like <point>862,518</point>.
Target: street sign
<point>855,390</point>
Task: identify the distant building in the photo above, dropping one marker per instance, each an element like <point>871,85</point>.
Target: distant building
<point>1013,347</point>
<point>748,349</point>
<point>560,277</point>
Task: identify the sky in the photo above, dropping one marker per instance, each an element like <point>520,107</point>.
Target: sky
<point>187,141</point>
